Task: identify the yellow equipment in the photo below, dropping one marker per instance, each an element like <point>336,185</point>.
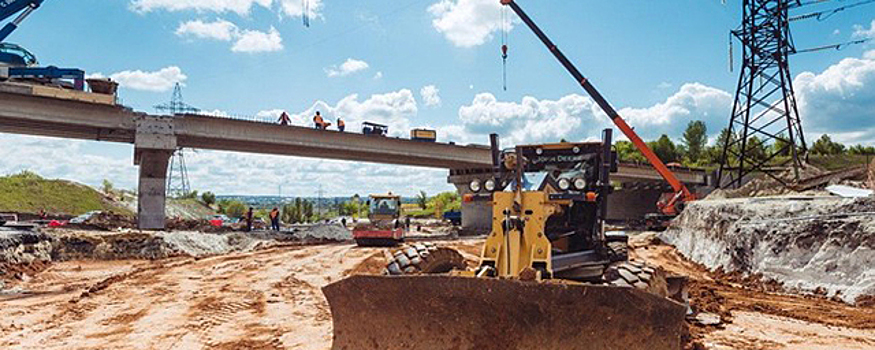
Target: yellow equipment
<point>549,276</point>
<point>426,135</point>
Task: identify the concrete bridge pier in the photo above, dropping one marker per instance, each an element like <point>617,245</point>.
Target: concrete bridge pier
<point>155,142</point>
<point>476,216</point>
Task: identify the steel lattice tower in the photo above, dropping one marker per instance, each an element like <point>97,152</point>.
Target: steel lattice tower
<point>177,178</point>
<point>765,105</point>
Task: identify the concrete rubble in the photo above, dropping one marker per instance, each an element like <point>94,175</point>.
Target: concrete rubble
<point>822,245</point>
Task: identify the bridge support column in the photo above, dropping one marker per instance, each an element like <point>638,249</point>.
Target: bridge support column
<point>152,188</point>
<point>476,216</point>
<point>154,143</point>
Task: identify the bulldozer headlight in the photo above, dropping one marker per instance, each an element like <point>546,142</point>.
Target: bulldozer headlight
<point>489,185</point>
<point>474,186</point>
<point>579,184</point>
<point>564,184</point>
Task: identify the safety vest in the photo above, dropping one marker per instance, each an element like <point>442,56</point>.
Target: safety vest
<point>318,119</point>
<point>340,122</point>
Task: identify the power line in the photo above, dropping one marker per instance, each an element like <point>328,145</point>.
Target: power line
<point>839,46</point>
<point>826,14</point>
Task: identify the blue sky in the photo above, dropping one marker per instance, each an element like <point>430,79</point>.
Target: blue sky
<point>413,63</point>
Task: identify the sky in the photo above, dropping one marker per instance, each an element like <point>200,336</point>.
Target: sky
<point>422,63</point>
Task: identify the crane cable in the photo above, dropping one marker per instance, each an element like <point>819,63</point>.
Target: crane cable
<point>504,31</point>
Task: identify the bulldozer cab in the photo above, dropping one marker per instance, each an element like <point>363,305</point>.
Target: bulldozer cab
<point>554,198</point>
<point>384,206</point>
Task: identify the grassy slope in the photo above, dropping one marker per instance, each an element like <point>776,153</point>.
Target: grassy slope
<point>28,193</point>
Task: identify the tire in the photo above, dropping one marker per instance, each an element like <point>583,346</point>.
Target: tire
<point>424,258</point>
<point>638,275</point>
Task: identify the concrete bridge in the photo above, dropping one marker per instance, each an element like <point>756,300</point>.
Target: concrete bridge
<point>44,111</point>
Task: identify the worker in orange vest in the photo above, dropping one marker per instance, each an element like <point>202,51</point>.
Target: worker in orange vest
<point>317,119</point>
<point>340,125</point>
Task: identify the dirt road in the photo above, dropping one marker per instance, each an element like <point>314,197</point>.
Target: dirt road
<point>268,299</point>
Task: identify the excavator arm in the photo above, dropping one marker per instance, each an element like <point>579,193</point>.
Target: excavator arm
<point>681,192</point>
<point>8,8</point>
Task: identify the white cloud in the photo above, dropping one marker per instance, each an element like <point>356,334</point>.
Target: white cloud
<point>348,67</point>
<point>841,99</point>
<point>693,101</point>
<point>257,41</point>
<point>862,32</point>
<point>67,159</point>
<point>468,23</point>
<point>394,109</point>
<point>531,120</point>
<point>157,81</point>
<point>218,30</point>
<point>378,75</point>
<point>245,40</point>
<point>239,6</point>
<point>295,8</point>
<point>576,118</point>
<point>430,95</point>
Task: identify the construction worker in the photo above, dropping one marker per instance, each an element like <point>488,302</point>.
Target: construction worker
<point>284,119</point>
<point>275,219</point>
<point>249,220</point>
<point>317,119</point>
<point>340,125</point>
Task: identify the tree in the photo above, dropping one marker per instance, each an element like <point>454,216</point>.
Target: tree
<point>235,209</point>
<point>208,198</point>
<point>107,186</point>
<point>627,152</point>
<point>781,147</point>
<point>861,150</point>
<point>714,154</point>
<point>825,145</point>
<point>422,200</point>
<point>664,149</point>
<point>756,150</point>
<point>695,138</point>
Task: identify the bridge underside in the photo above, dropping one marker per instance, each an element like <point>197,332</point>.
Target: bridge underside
<point>25,110</point>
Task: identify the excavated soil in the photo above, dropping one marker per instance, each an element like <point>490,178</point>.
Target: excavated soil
<point>755,313</point>
<point>816,245</point>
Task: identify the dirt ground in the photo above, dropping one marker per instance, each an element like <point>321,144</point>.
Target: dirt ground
<point>271,299</point>
<point>755,315</point>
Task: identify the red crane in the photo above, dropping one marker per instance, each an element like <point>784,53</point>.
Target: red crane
<point>670,204</point>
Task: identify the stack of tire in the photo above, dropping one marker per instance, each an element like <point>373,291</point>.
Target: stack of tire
<point>424,258</point>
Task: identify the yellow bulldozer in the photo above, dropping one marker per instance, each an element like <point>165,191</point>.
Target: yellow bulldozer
<point>549,275</point>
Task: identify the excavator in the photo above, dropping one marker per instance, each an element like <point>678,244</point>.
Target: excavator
<point>549,275</point>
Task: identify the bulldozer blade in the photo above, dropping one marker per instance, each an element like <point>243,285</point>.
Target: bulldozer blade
<point>453,312</point>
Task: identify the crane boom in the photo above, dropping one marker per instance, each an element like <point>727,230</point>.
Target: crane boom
<point>681,191</point>
<point>11,7</point>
